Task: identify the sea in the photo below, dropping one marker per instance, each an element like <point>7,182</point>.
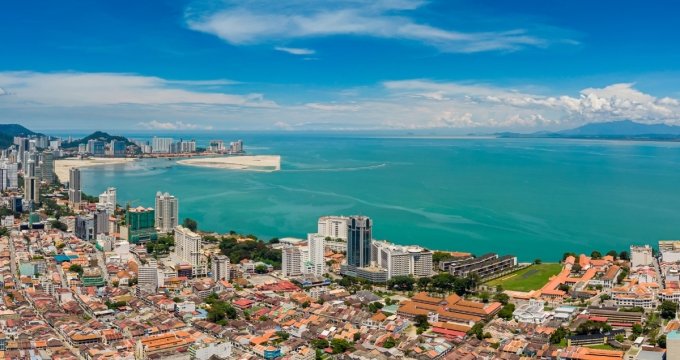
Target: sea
<point>532,198</point>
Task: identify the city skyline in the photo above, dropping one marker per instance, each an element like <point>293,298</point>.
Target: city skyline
<point>352,65</point>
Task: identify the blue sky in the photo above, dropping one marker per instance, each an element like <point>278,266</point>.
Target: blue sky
<point>341,65</point>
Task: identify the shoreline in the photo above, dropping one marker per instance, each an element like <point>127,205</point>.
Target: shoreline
<point>63,166</point>
<point>263,163</point>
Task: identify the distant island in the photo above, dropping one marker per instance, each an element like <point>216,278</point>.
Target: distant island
<point>613,130</point>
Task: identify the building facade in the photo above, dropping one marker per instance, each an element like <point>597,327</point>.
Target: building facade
<point>167,209</point>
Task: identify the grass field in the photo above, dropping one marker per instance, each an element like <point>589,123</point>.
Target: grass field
<point>527,279</point>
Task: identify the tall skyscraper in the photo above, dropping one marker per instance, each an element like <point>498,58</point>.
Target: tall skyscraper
<point>140,225</point>
<point>161,145</point>
<point>167,209</point>
<point>46,167</point>
<point>96,147</point>
<point>107,201</point>
<point>220,268</point>
<point>291,261</point>
<point>74,194</point>
<point>149,279</point>
<point>117,148</point>
<point>317,263</point>
<point>188,247</point>
<point>359,241</point>
<point>31,190</point>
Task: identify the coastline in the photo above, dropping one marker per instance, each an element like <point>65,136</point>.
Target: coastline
<point>266,163</point>
<point>63,166</point>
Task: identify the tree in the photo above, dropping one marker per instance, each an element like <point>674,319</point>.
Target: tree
<point>559,334</point>
<point>424,282</point>
<point>76,269</point>
<point>56,224</point>
<point>564,287</point>
<point>190,224</point>
<point>661,341</point>
<point>637,329</point>
<point>506,312</point>
<point>402,283</point>
<point>613,254</point>
<point>576,268</point>
<point>668,309</point>
<point>261,269</point>
<point>389,343</point>
<point>623,255</point>
<point>320,343</point>
<point>604,297</point>
<point>439,256</point>
<point>477,330</point>
<point>596,254</point>
<point>282,335</point>
<point>537,261</point>
<point>568,254</point>
<point>339,346</point>
<point>502,298</point>
<point>484,297</point>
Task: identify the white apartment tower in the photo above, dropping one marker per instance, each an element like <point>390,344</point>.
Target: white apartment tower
<point>188,248</point>
<point>220,268</point>
<point>148,276</point>
<point>401,260</point>
<point>333,226</point>
<point>291,261</point>
<point>161,145</point>
<point>641,256</point>
<point>107,201</point>
<point>317,263</point>
<point>167,208</point>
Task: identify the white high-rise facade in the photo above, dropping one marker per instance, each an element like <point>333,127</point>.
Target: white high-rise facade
<point>317,263</point>
<point>107,201</point>
<point>161,145</point>
<point>401,260</point>
<point>188,248</point>
<point>149,278</point>
<point>74,194</point>
<point>333,226</point>
<point>220,268</point>
<point>167,209</point>
<point>291,261</point>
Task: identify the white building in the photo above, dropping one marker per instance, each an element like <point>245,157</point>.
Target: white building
<point>107,201</point>
<point>214,350</point>
<point>291,261</point>
<point>317,263</point>
<point>74,193</point>
<point>401,260</point>
<point>641,256</point>
<point>167,209</point>
<point>188,249</point>
<point>220,268</point>
<point>161,145</point>
<point>149,278</point>
<point>333,226</point>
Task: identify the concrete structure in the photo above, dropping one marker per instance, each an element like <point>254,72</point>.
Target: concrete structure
<point>359,239</point>
<point>317,263</point>
<point>46,167</point>
<point>161,145</point>
<point>74,193</point>
<point>484,266</point>
<point>188,247</point>
<point>641,256</point>
<point>334,227</point>
<point>148,277</point>
<point>673,345</point>
<point>167,212</point>
<point>117,148</point>
<point>107,201</point>
<point>221,350</point>
<point>31,190</point>
<point>291,261</point>
<point>140,225</point>
<point>96,147</point>
<point>401,260</point>
<point>85,227</point>
<point>220,268</point>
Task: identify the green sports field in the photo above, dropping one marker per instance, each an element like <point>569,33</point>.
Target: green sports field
<point>527,279</point>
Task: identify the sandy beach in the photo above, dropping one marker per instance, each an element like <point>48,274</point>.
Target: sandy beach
<point>251,162</point>
<point>62,166</point>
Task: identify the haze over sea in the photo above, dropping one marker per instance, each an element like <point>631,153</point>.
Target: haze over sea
<point>534,198</point>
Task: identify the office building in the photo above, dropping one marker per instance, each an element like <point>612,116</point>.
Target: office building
<point>188,248</point>
<point>359,241</point>
<point>46,167</point>
<point>161,145</point>
<point>117,148</point>
<point>107,201</point>
<point>291,261</point>
<point>85,227</point>
<point>402,260</point>
<point>140,225</point>
<point>96,147</point>
<point>167,208</point>
<point>220,268</point>
<point>31,191</point>
<point>316,264</point>
<point>334,227</point>
<point>74,194</point>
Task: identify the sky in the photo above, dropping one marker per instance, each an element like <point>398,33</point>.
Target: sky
<point>346,65</point>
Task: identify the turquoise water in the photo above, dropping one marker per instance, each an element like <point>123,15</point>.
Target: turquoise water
<point>527,197</point>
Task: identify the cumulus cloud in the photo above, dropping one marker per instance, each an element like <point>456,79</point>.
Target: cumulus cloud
<point>295,51</point>
<point>177,125</point>
<point>332,107</point>
<point>255,22</point>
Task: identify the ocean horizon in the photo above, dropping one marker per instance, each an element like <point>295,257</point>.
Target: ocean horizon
<point>533,198</point>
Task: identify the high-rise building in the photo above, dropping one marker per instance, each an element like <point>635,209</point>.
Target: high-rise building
<point>161,145</point>
<point>31,191</point>
<point>641,256</point>
<point>359,241</point>
<point>402,260</point>
<point>101,222</point>
<point>117,148</point>
<point>11,175</point>
<point>46,167</point>
<point>291,261</point>
<point>167,209</point>
<point>96,147</point>
<point>236,147</point>
<point>334,227</point>
<point>107,201</point>
<point>188,249</point>
<point>220,268</point>
<point>148,278</point>
<point>317,263</point>
<point>74,194</point>
<point>140,225</point>
<point>85,227</point>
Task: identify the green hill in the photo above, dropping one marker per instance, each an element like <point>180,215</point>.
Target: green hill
<point>9,131</point>
<point>97,135</point>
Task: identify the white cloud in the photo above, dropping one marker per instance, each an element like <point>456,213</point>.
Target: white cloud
<point>332,107</point>
<point>79,89</point>
<point>177,125</point>
<point>295,51</point>
<point>254,22</point>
